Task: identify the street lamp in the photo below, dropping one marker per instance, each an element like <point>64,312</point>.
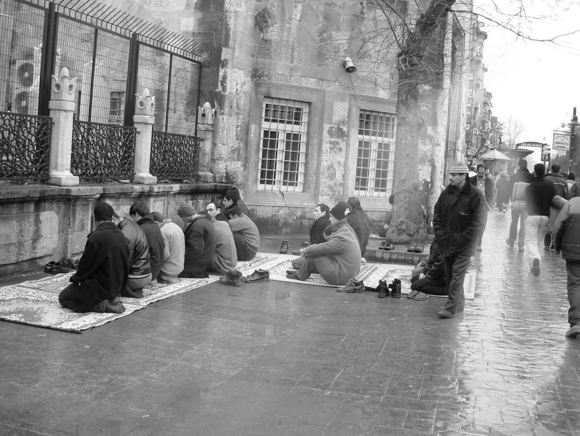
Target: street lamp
<point>574,141</point>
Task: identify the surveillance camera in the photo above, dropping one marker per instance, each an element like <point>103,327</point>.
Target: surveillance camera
<point>349,66</point>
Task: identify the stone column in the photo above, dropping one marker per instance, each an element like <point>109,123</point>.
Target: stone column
<point>62,108</point>
<point>143,121</point>
<point>205,128</point>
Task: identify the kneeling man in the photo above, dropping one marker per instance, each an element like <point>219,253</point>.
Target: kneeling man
<point>103,268</point>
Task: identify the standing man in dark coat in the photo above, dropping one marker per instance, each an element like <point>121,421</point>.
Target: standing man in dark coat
<point>538,195</point>
<point>484,184</point>
<point>140,212</point>
<point>103,268</point>
<point>458,220</point>
<point>200,242</point>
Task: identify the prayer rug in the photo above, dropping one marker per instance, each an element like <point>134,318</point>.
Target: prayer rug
<point>36,303</point>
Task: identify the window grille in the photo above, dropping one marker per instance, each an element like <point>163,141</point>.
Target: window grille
<point>376,154</point>
<point>117,106</point>
<point>283,145</point>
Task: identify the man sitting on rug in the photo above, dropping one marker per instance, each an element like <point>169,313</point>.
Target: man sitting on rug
<point>174,253</point>
<point>199,242</point>
<point>139,263</point>
<point>226,256</point>
<point>103,268</point>
<point>246,234</point>
<point>338,259</point>
<point>140,212</point>
<point>429,277</point>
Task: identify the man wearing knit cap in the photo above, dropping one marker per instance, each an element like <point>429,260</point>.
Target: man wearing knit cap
<point>173,256</point>
<point>338,259</point>
<point>199,242</point>
<point>458,221</point>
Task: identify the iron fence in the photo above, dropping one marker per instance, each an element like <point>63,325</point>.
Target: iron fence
<point>24,148</point>
<point>174,157</point>
<point>103,153</point>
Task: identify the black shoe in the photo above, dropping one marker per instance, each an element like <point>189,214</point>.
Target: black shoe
<point>536,267</point>
<point>258,275</point>
<point>284,247</point>
<point>353,286</point>
<point>233,278</point>
<point>386,246</point>
<point>395,288</point>
<point>383,289</point>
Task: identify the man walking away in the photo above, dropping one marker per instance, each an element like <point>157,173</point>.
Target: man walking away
<point>458,220</point>
<point>484,184</point>
<point>538,195</point>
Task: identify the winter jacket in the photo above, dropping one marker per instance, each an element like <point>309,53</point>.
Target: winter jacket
<point>247,233</point>
<point>567,230</point>
<point>104,265</point>
<point>574,190</point>
<point>156,244</point>
<point>539,195</point>
<point>226,256</point>
<point>139,263</point>
<point>560,184</point>
<point>458,219</point>
<point>338,259</point>
<point>317,229</point>
<point>360,223</point>
<point>174,254</point>
<point>199,247</point>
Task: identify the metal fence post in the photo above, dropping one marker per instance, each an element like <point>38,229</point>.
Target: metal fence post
<point>131,89</point>
<point>143,121</point>
<point>48,59</point>
<point>62,109</point>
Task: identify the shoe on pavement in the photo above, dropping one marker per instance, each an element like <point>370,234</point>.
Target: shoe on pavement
<point>258,275</point>
<point>284,247</point>
<point>353,286</point>
<point>421,296</point>
<point>445,314</point>
<point>386,246</point>
<point>573,332</point>
<point>536,267</point>
<point>233,278</point>
<point>383,289</point>
<point>395,288</point>
<point>412,295</point>
<point>510,243</point>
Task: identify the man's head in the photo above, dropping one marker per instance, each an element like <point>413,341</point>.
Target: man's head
<point>186,212</point>
<point>103,212</point>
<point>158,217</point>
<point>480,170</point>
<point>523,164</point>
<point>139,209</point>
<point>337,213</point>
<point>321,210</point>
<point>236,212</point>
<point>556,169</point>
<point>539,170</point>
<point>353,203</point>
<point>231,197</point>
<point>457,174</point>
<point>212,210</point>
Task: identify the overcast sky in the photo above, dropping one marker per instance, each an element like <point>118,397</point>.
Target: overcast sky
<point>537,83</point>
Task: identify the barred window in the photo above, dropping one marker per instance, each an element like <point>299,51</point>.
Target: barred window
<point>117,106</point>
<point>376,154</point>
<point>283,145</point>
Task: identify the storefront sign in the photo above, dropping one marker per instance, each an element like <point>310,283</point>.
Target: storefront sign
<point>561,141</point>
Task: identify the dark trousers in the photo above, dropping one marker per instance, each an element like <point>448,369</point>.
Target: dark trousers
<point>573,272</point>
<point>72,297</point>
<point>430,286</point>
<point>455,269</point>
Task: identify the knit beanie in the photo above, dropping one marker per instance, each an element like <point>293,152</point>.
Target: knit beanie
<point>338,210</point>
<point>185,209</point>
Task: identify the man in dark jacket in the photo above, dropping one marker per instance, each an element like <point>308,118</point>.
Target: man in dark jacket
<point>484,183</point>
<point>561,187</point>
<point>567,239</point>
<point>140,213</point>
<point>103,268</point>
<point>200,242</point>
<point>139,263</point>
<point>538,195</point>
<point>458,221</point>
<point>232,199</point>
<point>321,221</point>
<point>360,223</point>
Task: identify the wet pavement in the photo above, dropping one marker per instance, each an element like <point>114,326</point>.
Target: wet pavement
<point>283,359</point>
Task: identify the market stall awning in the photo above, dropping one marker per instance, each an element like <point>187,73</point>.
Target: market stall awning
<point>494,155</point>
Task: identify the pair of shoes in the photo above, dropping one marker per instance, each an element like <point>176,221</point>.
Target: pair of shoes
<point>573,332</point>
<point>445,314</point>
<point>386,246</point>
<point>510,243</point>
<point>395,288</point>
<point>284,247</point>
<point>258,275</point>
<point>232,278</point>
<point>293,275</point>
<point>56,268</point>
<point>298,252</point>
<point>415,248</point>
<point>535,266</point>
<point>353,286</point>
<point>417,295</point>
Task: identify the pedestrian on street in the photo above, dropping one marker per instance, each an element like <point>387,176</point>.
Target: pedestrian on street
<point>538,195</point>
<point>567,239</point>
<point>519,215</point>
<point>484,183</point>
<point>458,221</point>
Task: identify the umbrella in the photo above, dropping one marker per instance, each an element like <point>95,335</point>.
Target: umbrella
<point>494,155</point>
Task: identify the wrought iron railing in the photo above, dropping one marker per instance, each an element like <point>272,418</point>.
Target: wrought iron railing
<point>174,157</point>
<point>103,153</point>
<point>24,148</point>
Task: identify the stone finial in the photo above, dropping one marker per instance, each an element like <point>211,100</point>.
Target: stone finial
<point>63,87</point>
<point>205,114</point>
<point>145,103</point>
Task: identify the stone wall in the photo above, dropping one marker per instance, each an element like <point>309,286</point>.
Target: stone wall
<point>39,223</point>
